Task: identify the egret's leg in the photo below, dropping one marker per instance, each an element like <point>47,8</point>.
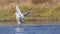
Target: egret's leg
<point>19,22</point>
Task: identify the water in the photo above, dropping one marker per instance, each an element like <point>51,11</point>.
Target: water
<point>30,29</point>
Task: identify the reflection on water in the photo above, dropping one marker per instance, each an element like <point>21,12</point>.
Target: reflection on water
<point>19,29</point>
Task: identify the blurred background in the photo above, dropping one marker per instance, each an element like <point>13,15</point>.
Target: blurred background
<point>43,11</point>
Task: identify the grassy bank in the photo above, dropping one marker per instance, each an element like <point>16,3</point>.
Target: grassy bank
<point>37,11</point>
<point>42,9</point>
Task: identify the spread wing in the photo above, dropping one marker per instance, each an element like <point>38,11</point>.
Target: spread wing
<point>18,10</point>
<point>27,13</point>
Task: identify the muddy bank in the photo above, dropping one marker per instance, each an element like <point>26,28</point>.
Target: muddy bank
<point>33,19</point>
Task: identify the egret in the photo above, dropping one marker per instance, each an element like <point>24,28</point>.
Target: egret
<point>20,16</point>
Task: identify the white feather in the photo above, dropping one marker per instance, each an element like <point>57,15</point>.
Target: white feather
<point>20,16</point>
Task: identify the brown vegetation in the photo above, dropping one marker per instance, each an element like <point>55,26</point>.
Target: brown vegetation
<point>40,8</point>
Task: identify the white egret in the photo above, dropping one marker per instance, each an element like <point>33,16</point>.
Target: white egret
<point>20,16</point>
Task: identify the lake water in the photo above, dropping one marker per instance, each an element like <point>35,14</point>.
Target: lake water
<point>30,29</point>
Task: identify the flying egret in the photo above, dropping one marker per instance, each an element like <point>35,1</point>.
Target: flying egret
<point>20,16</point>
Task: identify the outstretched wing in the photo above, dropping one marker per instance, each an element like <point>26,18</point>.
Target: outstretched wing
<point>18,10</point>
<point>27,13</point>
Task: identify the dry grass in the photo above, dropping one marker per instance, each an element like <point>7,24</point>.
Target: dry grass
<point>44,9</point>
